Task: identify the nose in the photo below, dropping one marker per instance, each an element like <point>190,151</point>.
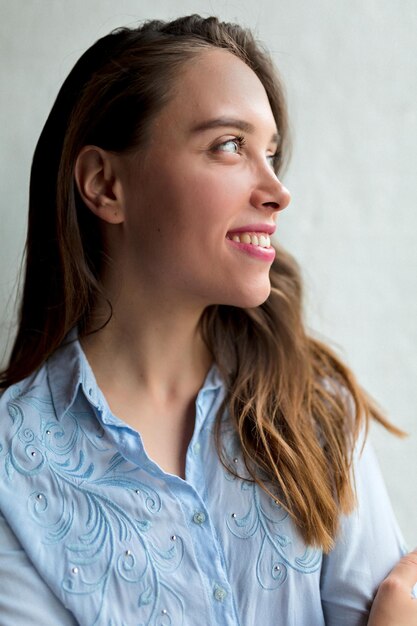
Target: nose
<point>269,193</point>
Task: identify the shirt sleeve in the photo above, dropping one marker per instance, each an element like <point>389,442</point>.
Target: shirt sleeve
<point>24,596</point>
<point>367,547</point>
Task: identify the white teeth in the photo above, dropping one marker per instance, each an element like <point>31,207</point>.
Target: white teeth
<point>262,240</point>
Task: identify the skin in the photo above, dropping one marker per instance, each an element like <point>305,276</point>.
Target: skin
<point>166,211</point>
<point>393,605</point>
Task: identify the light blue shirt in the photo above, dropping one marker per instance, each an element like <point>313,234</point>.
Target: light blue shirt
<point>93,532</point>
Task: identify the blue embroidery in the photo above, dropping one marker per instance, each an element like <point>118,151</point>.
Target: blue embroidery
<point>112,544</point>
<point>278,552</point>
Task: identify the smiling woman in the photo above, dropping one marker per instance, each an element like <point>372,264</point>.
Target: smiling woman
<point>217,187</point>
<point>175,449</point>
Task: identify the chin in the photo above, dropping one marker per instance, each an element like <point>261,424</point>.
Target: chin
<point>249,299</point>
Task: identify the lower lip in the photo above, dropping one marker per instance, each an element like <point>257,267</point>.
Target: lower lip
<point>264,254</point>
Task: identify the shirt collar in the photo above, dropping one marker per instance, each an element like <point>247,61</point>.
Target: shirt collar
<point>64,373</point>
<point>68,370</point>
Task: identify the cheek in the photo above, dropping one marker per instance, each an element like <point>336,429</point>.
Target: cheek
<point>187,204</point>
<point>215,193</point>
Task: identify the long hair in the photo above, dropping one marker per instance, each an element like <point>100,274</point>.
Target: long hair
<point>296,408</point>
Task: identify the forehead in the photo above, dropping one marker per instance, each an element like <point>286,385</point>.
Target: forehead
<point>217,83</point>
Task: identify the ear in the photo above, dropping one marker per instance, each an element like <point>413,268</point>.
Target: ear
<point>98,184</point>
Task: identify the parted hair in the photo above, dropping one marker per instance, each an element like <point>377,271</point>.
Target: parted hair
<point>296,408</point>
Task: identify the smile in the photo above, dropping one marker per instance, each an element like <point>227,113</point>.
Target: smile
<point>262,240</point>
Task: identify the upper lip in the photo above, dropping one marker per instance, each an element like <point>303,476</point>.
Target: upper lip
<point>268,229</point>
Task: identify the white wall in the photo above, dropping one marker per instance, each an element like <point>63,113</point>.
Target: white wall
<point>350,67</point>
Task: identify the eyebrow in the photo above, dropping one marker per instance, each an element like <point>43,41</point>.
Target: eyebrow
<point>220,122</point>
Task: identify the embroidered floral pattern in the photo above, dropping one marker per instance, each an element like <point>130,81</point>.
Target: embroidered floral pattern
<point>109,547</point>
<point>276,553</point>
<point>279,550</point>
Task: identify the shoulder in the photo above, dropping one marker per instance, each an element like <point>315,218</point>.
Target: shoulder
<point>23,395</point>
<point>34,384</point>
<point>24,411</point>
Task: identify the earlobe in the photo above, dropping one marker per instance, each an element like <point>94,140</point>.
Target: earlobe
<point>98,185</point>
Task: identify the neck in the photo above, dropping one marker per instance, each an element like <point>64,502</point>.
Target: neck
<point>150,361</point>
<point>149,346</point>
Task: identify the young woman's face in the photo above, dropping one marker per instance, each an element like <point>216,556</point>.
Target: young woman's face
<point>201,199</point>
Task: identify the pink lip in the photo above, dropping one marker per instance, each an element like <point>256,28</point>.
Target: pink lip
<point>269,229</point>
<point>264,254</point>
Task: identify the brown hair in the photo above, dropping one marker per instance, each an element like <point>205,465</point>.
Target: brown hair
<point>296,408</point>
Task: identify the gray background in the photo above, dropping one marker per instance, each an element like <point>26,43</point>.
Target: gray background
<point>350,67</point>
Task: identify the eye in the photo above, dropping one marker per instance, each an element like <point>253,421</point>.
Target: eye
<point>233,145</point>
<point>273,160</point>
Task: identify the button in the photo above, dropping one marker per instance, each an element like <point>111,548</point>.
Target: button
<point>199,517</point>
<point>196,448</point>
<point>219,593</point>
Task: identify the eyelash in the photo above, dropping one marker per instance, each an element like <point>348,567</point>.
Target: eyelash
<point>241,142</point>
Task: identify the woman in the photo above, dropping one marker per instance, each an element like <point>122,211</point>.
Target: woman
<point>175,448</point>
